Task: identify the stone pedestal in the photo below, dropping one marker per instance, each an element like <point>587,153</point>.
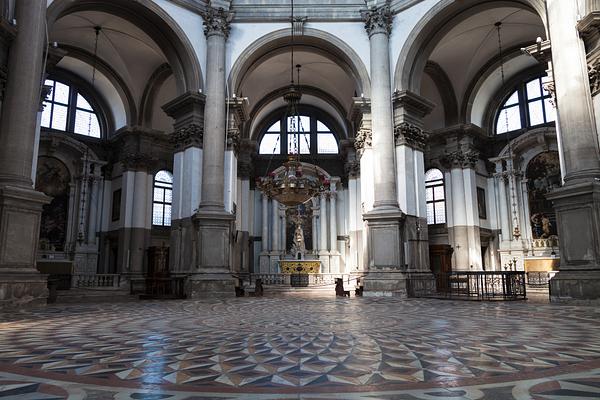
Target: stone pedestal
<point>20,214</point>
<point>578,219</point>
<point>387,275</point>
<point>213,261</point>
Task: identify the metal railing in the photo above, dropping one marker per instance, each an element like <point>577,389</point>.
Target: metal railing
<point>158,288</point>
<point>96,281</point>
<point>479,285</point>
<point>539,280</point>
<point>314,280</point>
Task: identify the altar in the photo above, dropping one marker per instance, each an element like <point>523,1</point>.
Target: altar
<point>300,266</point>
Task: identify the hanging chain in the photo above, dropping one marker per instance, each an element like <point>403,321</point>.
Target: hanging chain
<point>512,177</point>
<point>94,66</point>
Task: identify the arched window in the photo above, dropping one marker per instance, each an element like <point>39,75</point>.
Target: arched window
<point>435,197</point>
<point>67,110</point>
<point>314,137</point>
<point>162,198</point>
<point>526,107</point>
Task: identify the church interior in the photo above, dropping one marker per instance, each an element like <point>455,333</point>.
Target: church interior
<point>254,199</point>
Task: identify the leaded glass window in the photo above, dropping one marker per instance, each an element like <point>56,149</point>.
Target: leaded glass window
<point>527,106</point>
<point>435,197</point>
<point>306,133</point>
<point>162,198</point>
<point>67,110</point>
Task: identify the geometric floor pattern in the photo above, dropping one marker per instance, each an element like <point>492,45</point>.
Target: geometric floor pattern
<point>294,347</point>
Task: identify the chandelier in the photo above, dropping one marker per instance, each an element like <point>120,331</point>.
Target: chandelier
<point>295,182</point>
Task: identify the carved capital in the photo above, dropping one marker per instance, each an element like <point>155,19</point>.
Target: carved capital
<point>352,169</point>
<point>594,75</point>
<point>189,136</point>
<point>378,20</point>
<point>217,22</point>
<point>461,159</point>
<point>409,135</point>
<point>233,140</point>
<point>136,162</point>
<point>245,169</point>
<point>550,88</point>
<point>46,91</point>
<point>364,139</point>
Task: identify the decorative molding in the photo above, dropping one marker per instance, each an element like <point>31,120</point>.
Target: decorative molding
<point>594,75</point>
<point>217,22</point>
<point>364,139</point>
<point>46,91</point>
<point>189,136</point>
<point>460,159</point>
<point>406,134</point>
<point>352,169</point>
<point>378,20</point>
<point>137,162</point>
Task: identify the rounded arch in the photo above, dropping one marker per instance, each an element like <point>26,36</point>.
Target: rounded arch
<point>312,38</point>
<point>159,26</point>
<point>425,36</point>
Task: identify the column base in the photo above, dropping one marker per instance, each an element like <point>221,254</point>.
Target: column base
<point>20,215</point>
<point>568,286</point>
<point>385,283</point>
<point>18,290</point>
<point>214,249</point>
<point>210,285</point>
<point>578,219</point>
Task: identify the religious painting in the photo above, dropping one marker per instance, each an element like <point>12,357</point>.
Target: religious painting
<point>53,179</point>
<point>481,205</point>
<point>299,229</point>
<point>543,175</point>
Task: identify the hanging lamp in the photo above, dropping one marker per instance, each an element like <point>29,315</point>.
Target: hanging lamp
<point>295,182</point>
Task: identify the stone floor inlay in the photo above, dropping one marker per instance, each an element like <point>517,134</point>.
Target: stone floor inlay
<point>293,346</point>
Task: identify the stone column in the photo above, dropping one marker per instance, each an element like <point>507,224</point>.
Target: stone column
<point>577,203</point>
<point>323,237</point>
<point>334,259</point>
<point>94,204</point>
<point>20,205</point>
<point>385,221</point>
<point>187,111</point>
<point>264,259</point>
<point>275,234</point>
<point>315,232</point>
<point>213,223</point>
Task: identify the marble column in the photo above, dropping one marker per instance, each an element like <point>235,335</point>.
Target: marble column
<point>323,237</point>
<point>334,259</point>
<point>94,204</point>
<point>213,223</point>
<point>385,221</point>
<point>315,232</point>
<point>577,203</point>
<point>275,223</point>
<point>265,223</point>
<point>20,205</point>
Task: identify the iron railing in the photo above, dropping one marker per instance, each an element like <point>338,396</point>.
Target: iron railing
<point>314,280</point>
<point>539,280</point>
<point>476,285</point>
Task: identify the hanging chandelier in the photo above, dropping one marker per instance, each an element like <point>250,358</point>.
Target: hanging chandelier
<point>295,182</point>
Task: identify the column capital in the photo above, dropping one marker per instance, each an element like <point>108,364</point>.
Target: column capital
<point>364,139</point>
<point>217,21</point>
<point>460,159</point>
<point>189,136</point>
<point>352,169</point>
<point>406,134</point>
<point>136,162</point>
<point>378,20</point>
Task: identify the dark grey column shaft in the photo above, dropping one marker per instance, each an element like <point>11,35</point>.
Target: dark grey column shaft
<point>22,98</point>
<point>213,165</point>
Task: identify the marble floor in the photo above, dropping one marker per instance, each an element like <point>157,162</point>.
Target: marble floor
<point>296,347</point>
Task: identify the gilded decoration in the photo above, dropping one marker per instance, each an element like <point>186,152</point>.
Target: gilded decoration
<point>299,267</point>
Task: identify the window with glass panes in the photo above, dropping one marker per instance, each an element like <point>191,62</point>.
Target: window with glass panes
<point>527,106</point>
<point>306,133</point>
<point>435,197</point>
<point>67,110</point>
<point>162,198</point>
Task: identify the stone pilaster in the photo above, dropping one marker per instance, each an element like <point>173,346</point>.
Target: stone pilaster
<point>411,141</point>
<point>20,205</point>
<point>187,138</point>
<point>577,203</point>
